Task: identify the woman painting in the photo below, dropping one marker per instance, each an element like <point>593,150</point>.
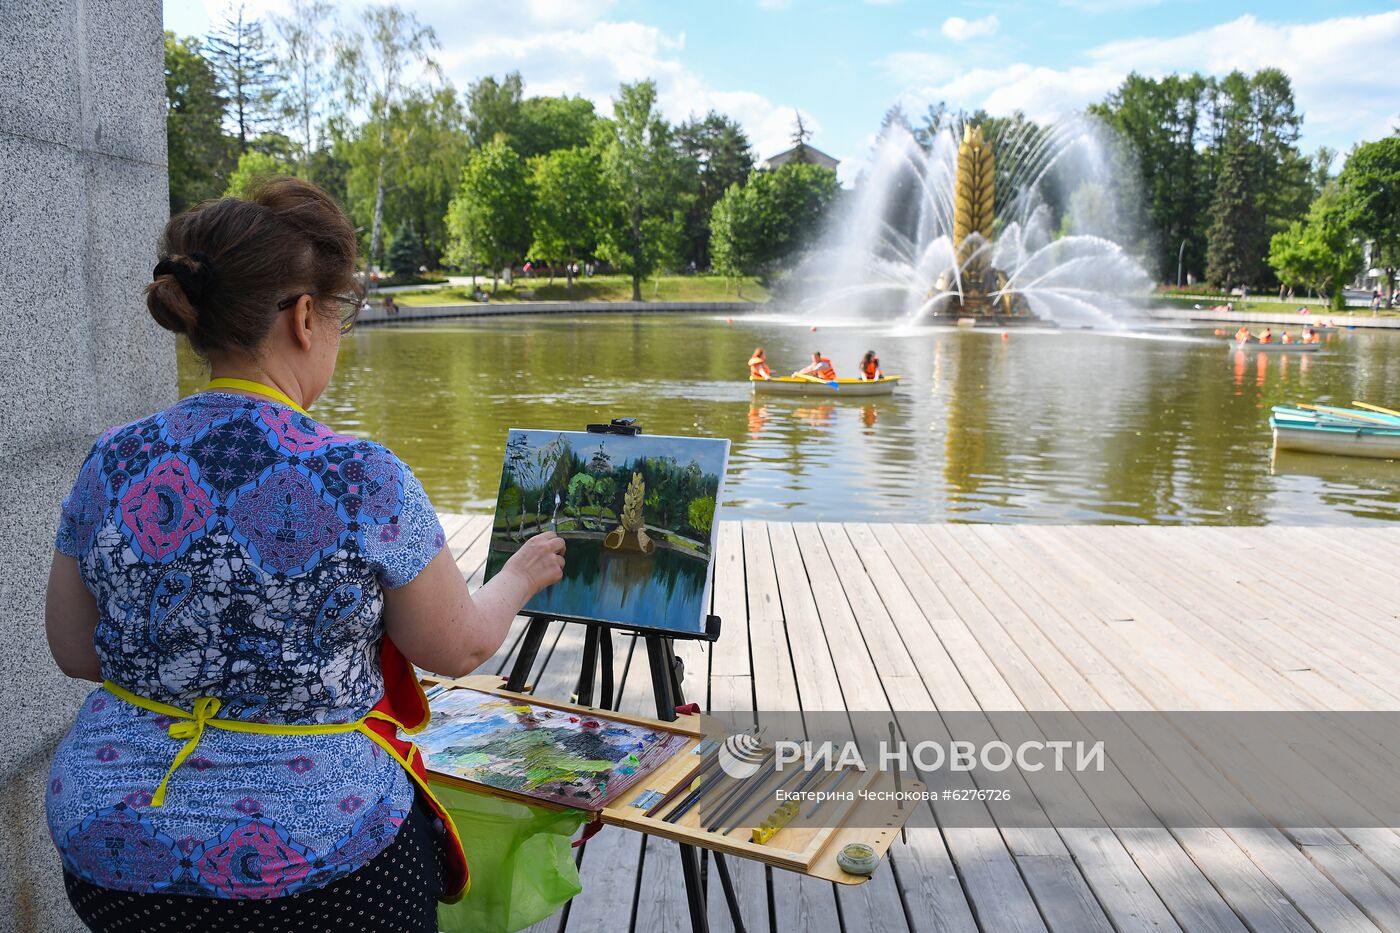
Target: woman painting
<point>249,587</point>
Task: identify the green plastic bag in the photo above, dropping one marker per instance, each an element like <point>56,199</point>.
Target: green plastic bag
<point>522,867</point>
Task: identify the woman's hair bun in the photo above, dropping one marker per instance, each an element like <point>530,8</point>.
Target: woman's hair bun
<point>179,282</point>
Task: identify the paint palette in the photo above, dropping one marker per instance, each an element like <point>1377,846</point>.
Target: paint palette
<point>566,757</point>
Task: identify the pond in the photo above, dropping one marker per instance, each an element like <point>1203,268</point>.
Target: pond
<point>1162,425</point>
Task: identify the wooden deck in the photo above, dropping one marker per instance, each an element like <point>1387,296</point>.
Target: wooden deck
<point>976,617</point>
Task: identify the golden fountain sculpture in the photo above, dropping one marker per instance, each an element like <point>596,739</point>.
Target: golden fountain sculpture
<point>974,222</point>
<point>631,533</point>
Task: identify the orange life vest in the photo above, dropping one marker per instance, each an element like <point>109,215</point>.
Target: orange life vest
<point>824,369</point>
<point>871,369</point>
<point>758,368</point>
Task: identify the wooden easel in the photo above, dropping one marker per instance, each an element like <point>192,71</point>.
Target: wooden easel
<point>664,668</point>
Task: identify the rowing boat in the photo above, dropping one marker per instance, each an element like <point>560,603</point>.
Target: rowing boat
<point>1276,347</point>
<point>1346,432</point>
<point>844,388</point>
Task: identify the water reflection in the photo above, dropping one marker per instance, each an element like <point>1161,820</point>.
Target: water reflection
<point>1167,427</point>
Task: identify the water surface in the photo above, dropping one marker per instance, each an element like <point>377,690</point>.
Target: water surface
<point>1163,426</point>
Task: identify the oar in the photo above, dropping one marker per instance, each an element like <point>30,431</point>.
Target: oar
<point>1347,414</point>
<point>1377,408</point>
<point>810,378</point>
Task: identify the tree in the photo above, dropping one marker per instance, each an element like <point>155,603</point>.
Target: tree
<point>719,155</point>
<point>197,151</point>
<point>763,227</point>
<point>548,124</point>
<point>239,54</point>
<point>406,253</point>
<point>1235,237</point>
<point>1160,120</point>
<point>488,220</point>
<point>1370,197</point>
<point>1320,252</point>
<point>375,66</point>
<point>569,198</point>
<point>254,167</point>
<point>303,60</point>
<point>493,108</point>
<point>800,135</point>
<point>643,170</point>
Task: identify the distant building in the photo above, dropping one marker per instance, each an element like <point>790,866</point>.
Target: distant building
<point>800,153</point>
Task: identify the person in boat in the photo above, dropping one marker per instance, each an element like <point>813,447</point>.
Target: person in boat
<point>1286,338</point>
<point>820,368</point>
<point>249,685</point>
<point>1266,336</point>
<point>1242,335</point>
<point>870,367</point>
<point>758,365</point>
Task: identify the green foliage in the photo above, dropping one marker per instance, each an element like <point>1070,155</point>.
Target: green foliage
<point>718,155</point>
<point>1236,231</point>
<point>303,60</point>
<point>198,153</point>
<point>762,227</point>
<point>548,124</point>
<point>372,62</point>
<point>1370,200</point>
<point>1189,134</point>
<point>254,167</point>
<point>1320,252</point>
<point>701,514</point>
<point>488,220</point>
<point>641,232</point>
<point>239,54</point>
<point>493,109</point>
<point>568,204</point>
<point>405,254</point>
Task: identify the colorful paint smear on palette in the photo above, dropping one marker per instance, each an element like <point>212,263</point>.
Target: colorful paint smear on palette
<point>549,754</point>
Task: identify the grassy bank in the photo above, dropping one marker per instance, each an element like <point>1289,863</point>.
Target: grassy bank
<point>598,288</point>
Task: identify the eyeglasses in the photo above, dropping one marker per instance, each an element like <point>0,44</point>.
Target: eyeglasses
<point>350,303</point>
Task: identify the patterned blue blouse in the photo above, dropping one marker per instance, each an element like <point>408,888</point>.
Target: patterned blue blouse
<point>237,549</point>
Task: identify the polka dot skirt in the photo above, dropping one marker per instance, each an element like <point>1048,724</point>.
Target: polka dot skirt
<point>396,892</point>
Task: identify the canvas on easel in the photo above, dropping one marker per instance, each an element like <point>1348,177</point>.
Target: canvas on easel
<point>637,513</point>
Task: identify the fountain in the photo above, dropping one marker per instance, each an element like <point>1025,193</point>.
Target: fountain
<point>1018,229</point>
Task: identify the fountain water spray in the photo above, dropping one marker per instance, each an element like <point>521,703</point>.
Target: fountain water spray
<point>963,229</point>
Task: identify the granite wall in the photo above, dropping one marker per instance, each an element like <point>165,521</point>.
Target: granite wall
<point>82,200</point>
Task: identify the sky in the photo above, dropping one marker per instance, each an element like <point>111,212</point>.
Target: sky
<point>843,64</point>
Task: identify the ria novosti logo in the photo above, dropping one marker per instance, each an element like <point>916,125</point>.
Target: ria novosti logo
<point>741,755</point>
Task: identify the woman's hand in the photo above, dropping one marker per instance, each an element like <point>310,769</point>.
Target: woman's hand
<point>439,626</point>
<point>540,562</point>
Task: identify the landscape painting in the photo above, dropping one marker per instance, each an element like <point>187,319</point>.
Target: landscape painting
<point>638,515</point>
<point>553,755</point>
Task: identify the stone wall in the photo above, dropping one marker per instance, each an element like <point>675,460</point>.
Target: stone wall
<point>82,200</point>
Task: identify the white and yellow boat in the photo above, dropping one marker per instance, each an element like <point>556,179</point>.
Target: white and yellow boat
<point>832,388</point>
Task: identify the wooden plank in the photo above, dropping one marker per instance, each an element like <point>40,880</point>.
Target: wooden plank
<point>797,903</point>
<point>1140,876</point>
<point>1133,686</point>
<point>1242,884</point>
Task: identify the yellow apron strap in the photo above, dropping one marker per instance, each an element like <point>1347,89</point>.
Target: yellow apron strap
<point>257,388</point>
<point>191,727</point>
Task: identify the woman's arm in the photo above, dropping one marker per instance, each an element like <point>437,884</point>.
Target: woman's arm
<point>70,619</point>
<point>441,627</point>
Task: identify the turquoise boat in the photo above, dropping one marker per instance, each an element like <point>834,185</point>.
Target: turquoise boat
<point>1347,432</point>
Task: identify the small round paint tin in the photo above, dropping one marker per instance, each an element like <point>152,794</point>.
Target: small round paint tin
<point>857,858</point>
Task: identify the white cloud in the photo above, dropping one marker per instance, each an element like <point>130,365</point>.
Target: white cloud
<point>961,30</point>
<point>906,68</point>
<point>1336,67</point>
<point>774,4</point>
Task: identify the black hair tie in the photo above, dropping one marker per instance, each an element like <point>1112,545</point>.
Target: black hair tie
<point>193,281</point>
